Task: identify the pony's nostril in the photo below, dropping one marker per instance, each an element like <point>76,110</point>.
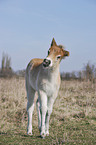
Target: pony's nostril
<point>49,61</point>
<point>44,60</point>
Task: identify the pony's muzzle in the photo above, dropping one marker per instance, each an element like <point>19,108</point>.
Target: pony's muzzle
<point>46,62</point>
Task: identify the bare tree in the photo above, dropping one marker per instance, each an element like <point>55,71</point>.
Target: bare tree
<point>3,62</point>
<point>6,69</point>
<point>89,71</point>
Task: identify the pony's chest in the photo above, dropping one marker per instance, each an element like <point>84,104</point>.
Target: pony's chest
<point>49,87</point>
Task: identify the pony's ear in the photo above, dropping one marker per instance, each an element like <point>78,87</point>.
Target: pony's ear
<point>53,43</point>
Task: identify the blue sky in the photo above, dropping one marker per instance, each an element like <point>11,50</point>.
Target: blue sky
<point>28,26</point>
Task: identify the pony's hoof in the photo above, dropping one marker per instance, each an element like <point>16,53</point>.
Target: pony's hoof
<point>29,133</point>
<point>43,135</point>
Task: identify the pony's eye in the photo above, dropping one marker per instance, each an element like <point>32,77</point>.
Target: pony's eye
<point>59,56</point>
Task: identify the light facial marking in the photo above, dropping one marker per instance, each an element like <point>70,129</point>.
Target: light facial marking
<point>48,58</point>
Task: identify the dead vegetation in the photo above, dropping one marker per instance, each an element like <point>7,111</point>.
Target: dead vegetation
<point>73,119</point>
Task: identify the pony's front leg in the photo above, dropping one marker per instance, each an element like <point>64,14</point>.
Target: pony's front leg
<point>50,103</point>
<point>49,111</point>
<point>30,108</point>
<point>43,108</point>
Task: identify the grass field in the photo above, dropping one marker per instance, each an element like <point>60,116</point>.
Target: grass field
<point>73,120</point>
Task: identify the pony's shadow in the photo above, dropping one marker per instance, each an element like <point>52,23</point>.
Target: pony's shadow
<point>23,135</point>
<point>3,133</point>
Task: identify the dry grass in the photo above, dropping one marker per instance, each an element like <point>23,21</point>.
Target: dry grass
<point>73,120</point>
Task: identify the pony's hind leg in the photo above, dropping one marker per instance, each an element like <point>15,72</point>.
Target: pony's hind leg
<point>39,114</point>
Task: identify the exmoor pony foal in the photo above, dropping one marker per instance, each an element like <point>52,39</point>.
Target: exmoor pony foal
<point>43,76</point>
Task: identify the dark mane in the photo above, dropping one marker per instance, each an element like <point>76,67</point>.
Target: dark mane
<point>61,46</point>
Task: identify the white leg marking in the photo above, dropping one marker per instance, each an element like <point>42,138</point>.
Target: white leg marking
<point>30,108</point>
<point>43,108</point>
<point>30,112</point>
<point>49,111</point>
<point>39,114</point>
